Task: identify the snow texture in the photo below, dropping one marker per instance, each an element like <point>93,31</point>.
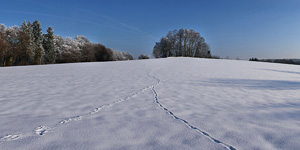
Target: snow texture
<point>174,103</point>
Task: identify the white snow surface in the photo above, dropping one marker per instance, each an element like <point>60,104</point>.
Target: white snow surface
<point>167,104</point>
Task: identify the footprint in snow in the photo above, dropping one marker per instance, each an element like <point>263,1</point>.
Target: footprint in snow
<point>71,119</point>
<point>10,137</point>
<point>41,130</point>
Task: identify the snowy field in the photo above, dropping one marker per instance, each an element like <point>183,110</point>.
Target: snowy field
<point>165,104</point>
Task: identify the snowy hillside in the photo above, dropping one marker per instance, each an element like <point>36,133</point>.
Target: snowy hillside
<point>167,104</point>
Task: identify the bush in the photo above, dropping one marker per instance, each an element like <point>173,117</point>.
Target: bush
<point>144,57</point>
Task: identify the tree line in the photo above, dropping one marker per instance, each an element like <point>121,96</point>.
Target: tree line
<point>182,42</point>
<point>27,45</point>
<point>282,61</point>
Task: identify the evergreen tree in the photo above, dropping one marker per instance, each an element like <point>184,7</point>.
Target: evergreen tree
<point>49,46</point>
<point>25,44</point>
<point>37,42</point>
<point>25,54</point>
<point>30,32</point>
<point>24,27</point>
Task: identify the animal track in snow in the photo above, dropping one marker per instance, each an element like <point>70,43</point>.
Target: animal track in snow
<point>71,119</point>
<point>10,137</point>
<point>99,108</point>
<point>41,130</point>
<point>120,100</point>
<point>229,147</point>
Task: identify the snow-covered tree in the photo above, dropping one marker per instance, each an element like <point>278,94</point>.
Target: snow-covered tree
<point>37,41</point>
<point>81,40</point>
<point>59,43</point>
<point>127,56</point>
<point>71,45</point>
<point>2,27</point>
<point>86,48</point>
<point>49,46</point>
<point>30,31</point>
<point>71,51</point>
<point>25,39</point>
<point>24,27</point>
<point>25,53</point>
<point>117,55</point>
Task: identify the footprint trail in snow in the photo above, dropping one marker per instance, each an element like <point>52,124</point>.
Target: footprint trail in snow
<point>42,130</point>
<point>229,147</point>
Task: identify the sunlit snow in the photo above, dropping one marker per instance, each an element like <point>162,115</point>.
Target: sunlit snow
<point>173,103</point>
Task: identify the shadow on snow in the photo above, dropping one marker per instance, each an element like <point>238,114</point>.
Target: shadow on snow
<point>252,84</point>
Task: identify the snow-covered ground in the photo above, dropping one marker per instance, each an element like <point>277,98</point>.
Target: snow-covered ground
<point>173,103</point>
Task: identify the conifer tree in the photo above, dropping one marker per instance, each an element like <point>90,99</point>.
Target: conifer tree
<point>30,31</point>
<point>49,46</point>
<point>25,43</point>
<point>24,27</point>
<point>37,42</point>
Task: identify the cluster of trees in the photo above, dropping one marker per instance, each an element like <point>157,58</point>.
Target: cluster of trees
<point>282,61</point>
<point>82,50</point>
<point>182,42</point>
<point>27,45</point>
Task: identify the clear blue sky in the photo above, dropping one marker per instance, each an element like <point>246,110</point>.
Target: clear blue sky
<point>234,28</point>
